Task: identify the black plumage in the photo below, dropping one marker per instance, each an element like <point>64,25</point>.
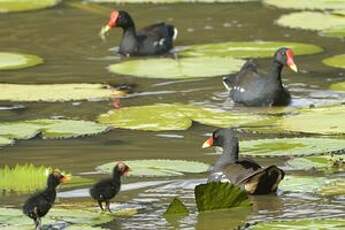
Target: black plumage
<point>155,39</point>
<point>39,204</point>
<point>251,88</point>
<point>106,189</point>
<point>245,173</point>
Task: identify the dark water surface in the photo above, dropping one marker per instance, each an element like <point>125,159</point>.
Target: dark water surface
<point>67,38</point>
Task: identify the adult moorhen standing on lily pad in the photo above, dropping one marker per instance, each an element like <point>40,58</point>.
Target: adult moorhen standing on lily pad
<point>38,205</point>
<point>155,39</point>
<point>245,173</point>
<point>252,88</point>
<point>106,189</point>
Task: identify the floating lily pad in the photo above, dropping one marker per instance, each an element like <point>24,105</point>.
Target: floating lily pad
<point>334,188</point>
<point>5,141</point>
<point>14,219</point>
<point>29,178</point>
<point>159,167</point>
<point>336,61</point>
<point>336,32</point>
<point>159,117</point>
<point>329,163</point>
<point>308,4</point>
<point>291,146</point>
<point>247,49</point>
<point>52,92</point>
<point>303,224</point>
<point>306,184</point>
<point>199,67</point>
<point>176,207</point>
<point>218,195</point>
<point>168,1</point>
<point>9,61</point>
<point>323,120</point>
<point>311,20</point>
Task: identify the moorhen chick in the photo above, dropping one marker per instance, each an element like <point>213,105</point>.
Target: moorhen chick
<point>106,189</point>
<point>39,204</point>
<point>252,88</point>
<point>155,39</point>
<point>245,173</point>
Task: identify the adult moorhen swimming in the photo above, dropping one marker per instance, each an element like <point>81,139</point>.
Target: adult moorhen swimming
<point>251,88</point>
<point>106,189</point>
<point>38,205</point>
<point>152,40</point>
<point>245,173</point>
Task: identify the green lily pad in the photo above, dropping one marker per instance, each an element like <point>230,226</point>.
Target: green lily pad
<point>29,178</point>
<point>329,163</point>
<point>160,117</point>
<point>5,141</point>
<point>247,49</point>
<point>307,184</point>
<point>335,61</point>
<point>308,4</point>
<point>159,167</point>
<point>218,195</point>
<point>335,32</point>
<point>291,146</point>
<point>334,188</point>
<point>199,67</point>
<point>323,120</point>
<point>303,224</point>
<point>9,61</point>
<point>168,1</point>
<point>311,20</point>
<point>7,6</point>
<point>52,92</point>
<point>176,207</point>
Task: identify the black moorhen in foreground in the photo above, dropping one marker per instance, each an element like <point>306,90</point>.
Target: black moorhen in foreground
<point>251,88</point>
<point>245,173</point>
<point>106,189</point>
<point>152,40</point>
<point>38,205</point>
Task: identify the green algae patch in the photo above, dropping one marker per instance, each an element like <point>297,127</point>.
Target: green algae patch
<point>12,61</point>
<point>337,61</point>
<point>254,49</point>
<point>160,117</point>
<point>167,68</point>
<point>291,146</point>
<point>158,167</point>
<point>307,4</point>
<point>218,195</point>
<point>301,224</point>
<point>52,92</point>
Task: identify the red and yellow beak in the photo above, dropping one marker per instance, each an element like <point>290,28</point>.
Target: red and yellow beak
<point>290,61</point>
<point>65,178</point>
<point>208,143</point>
<point>111,23</point>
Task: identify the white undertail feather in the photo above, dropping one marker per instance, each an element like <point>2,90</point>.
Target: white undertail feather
<point>227,86</point>
<point>175,33</point>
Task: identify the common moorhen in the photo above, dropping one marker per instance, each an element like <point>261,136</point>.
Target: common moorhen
<point>245,173</point>
<point>155,39</point>
<point>252,88</point>
<point>106,189</point>
<point>39,204</point>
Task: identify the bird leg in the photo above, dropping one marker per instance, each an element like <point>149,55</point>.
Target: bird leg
<point>107,203</point>
<point>100,205</point>
<point>38,223</point>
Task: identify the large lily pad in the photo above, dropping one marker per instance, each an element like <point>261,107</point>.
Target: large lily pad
<point>291,146</point>
<point>159,167</point>
<point>25,5</point>
<point>5,141</point>
<point>159,117</point>
<point>247,49</point>
<point>311,20</point>
<point>305,184</point>
<point>333,188</point>
<point>308,4</point>
<point>336,32</point>
<point>323,120</point>
<point>336,61</point>
<point>329,163</point>
<point>218,195</point>
<point>199,67</point>
<point>52,92</point>
<point>303,224</point>
<point>10,61</point>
